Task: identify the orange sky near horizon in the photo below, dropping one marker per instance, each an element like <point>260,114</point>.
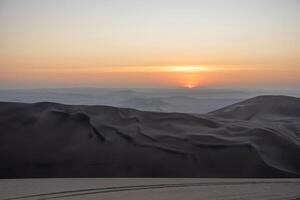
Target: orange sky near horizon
<point>153,77</point>
<point>130,43</point>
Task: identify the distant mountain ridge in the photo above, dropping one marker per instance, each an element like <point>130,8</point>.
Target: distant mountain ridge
<point>199,100</point>
<point>259,137</point>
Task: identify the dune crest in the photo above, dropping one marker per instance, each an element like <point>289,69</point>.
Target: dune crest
<point>258,137</point>
<point>262,107</point>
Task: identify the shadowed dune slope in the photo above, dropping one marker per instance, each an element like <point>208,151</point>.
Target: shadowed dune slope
<point>259,137</point>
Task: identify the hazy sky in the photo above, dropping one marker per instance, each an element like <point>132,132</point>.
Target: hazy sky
<point>149,43</point>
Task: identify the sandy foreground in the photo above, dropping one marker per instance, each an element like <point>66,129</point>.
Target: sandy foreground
<point>149,188</point>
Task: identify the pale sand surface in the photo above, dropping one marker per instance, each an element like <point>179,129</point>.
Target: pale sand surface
<point>149,188</point>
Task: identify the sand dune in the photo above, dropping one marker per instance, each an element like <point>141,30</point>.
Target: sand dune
<point>262,107</point>
<point>255,138</point>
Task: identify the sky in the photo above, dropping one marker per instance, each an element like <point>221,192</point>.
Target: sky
<point>149,43</point>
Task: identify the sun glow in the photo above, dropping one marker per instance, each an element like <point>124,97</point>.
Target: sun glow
<point>188,79</point>
<point>189,86</point>
<point>188,68</point>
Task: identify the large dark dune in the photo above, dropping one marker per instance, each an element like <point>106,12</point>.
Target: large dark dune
<point>259,137</point>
